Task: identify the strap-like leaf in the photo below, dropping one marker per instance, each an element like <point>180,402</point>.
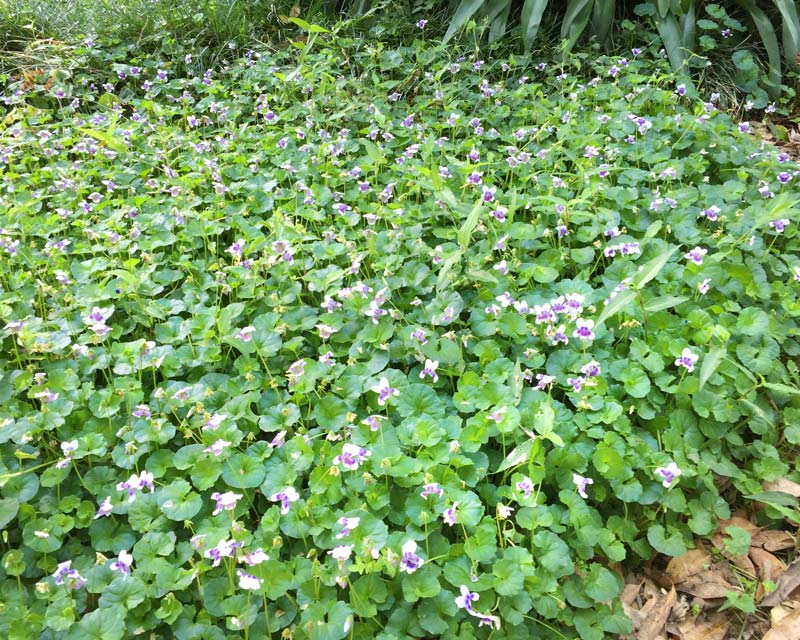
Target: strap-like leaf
<point>770,40</point>
<point>576,18</point>
<point>531,18</point>
<point>497,28</point>
<point>463,13</point>
<point>603,18</point>
<point>791,29</point>
<point>672,40</point>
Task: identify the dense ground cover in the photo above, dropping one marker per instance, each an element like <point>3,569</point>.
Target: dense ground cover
<point>349,341</point>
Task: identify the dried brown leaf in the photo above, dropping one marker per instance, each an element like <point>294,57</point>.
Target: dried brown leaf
<point>707,585</point>
<point>777,614</point>
<point>788,582</point>
<point>713,629</point>
<point>773,540</point>
<point>653,625</point>
<point>689,564</point>
<point>784,486</point>
<point>769,567</point>
<point>787,628</point>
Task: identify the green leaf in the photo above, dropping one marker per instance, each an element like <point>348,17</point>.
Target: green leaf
<point>106,623</point>
<point>782,388</point>
<point>8,511</point>
<point>243,472</point>
<point>651,269</point>
<point>519,455</point>
<point>672,545</point>
<point>178,501</point>
<point>465,232</point>
<point>307,26</point>
<point>422,583</point>
<point>617,304</point>
<point>575,19</point>
<point>601,584</point>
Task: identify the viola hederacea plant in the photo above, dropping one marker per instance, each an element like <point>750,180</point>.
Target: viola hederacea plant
<point>372,342</point>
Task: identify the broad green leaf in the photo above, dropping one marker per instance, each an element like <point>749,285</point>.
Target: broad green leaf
<point>307,26</point>
<point>672,545</point>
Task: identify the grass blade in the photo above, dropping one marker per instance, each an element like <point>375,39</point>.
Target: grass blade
<point>710,364</point>
<point>530,19</point>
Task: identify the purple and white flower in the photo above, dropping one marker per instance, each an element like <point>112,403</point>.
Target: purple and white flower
<point>668,474</point>
<point>123,563</point>
<point>352,456</point>
<point>410,561</point>
<point>687,359</point>
<point>249,582</point>
<point>430,370</point>
<point>384,391</point>
<point>225,501</point>
<point>286,498</point>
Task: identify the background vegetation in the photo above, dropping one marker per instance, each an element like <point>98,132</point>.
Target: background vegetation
<point>744,47</point>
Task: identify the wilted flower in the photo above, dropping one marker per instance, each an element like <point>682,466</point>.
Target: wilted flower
<point>581,483</point>
<point>504,511</point>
